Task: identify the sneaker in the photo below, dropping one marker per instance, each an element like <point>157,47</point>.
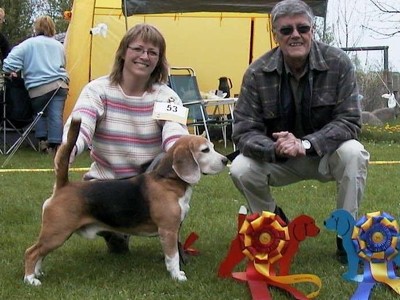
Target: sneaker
<point>278,211</point>
<point>116,243</point>
<point>43,146</point>
<point>51,150</point>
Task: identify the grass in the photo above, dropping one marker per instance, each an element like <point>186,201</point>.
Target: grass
<point>82,269</point>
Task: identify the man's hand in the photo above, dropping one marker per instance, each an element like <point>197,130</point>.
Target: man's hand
<point>287,145</point>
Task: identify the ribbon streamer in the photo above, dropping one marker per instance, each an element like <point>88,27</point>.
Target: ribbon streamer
<point>187,246</point>
<point>269,244</point>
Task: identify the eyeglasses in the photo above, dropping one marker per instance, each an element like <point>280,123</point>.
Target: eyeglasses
<point>139,51</point>
<point>288,30</point>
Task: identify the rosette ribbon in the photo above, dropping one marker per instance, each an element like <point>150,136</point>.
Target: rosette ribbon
<point>376,239</point>
<point>264,240</point>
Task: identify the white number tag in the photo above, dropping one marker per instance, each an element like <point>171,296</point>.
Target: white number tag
<point>170,112</point>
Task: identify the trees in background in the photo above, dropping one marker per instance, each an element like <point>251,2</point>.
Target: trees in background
<point>20,15</point>
<point>389,16</point>
<point>361,23</point>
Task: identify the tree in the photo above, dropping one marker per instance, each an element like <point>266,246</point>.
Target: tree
<point>18,23</point>
<point>323,33</point>
<point>388,12</point>
<point>344,16</point>
<point>21,14</point>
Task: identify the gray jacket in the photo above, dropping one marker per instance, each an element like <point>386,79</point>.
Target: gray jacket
<point>332,114</point>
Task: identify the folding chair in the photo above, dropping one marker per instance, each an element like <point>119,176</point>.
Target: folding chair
<point>25,134</point>
<point>184,82</point>
<point>16,112</point>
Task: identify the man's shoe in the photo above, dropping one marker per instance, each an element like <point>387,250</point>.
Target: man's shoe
<point>341,254</point>
<point>278,211</point>
<point>116,243</point>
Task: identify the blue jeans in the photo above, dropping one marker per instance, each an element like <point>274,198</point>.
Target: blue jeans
<point>50,125</point>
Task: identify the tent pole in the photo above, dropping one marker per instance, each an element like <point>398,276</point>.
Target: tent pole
<point>126,16</point>
<point>251,48</point>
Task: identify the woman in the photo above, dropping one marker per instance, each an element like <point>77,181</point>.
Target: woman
<point>41,60</point>
<point>116,112</point>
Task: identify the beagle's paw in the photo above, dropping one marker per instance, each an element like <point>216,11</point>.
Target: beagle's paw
<point>180,276</point>
<point>32,280</point>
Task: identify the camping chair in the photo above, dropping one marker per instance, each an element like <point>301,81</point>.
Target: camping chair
<point>15,112</point>
<point>24,135</point>
<point>183,81</point>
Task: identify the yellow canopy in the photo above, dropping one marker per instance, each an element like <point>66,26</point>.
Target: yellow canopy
<point>214,44</point>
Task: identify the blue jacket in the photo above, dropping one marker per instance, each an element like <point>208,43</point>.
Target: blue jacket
<point>41,60</point>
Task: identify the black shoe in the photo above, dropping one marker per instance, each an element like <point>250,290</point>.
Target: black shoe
<point>341,254</point>
<point>182,255</point>
<point>232,156</point>
<point>278,211</point>
<point>116,243</point>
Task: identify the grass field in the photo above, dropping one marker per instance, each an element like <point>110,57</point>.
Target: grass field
<point>82,269</point>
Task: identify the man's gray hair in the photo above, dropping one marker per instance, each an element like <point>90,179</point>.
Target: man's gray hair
<point>291,8</point>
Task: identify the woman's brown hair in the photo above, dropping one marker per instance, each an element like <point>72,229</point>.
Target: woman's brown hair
<point>149,34</point>
<point>45,26</point>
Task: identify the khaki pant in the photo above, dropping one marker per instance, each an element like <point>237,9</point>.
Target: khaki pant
<point>347,166</point>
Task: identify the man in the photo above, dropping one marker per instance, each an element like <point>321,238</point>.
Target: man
<point>298,117</point>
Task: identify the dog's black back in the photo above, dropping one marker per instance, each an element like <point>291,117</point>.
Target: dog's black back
<point>118,203</point>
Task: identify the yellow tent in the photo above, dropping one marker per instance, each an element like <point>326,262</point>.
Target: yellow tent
<point>214,37</point>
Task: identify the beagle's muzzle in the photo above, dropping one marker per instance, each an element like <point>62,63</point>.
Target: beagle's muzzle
<point>153,203</point>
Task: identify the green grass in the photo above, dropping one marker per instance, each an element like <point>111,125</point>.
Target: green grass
<point>82,269</point>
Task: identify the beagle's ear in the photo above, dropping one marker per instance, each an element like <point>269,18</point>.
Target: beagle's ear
<point>184,164</point>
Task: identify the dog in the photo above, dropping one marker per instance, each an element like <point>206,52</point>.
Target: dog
<point>343,223</point>
<point>153,203</point>
<point>299,228</point>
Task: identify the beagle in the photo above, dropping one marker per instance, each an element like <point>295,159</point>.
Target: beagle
<point>153,203</point>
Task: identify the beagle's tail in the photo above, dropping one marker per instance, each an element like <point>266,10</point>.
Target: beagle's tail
<point>61,160</point>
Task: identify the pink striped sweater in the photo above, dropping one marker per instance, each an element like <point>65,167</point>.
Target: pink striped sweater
<point>120,128</point>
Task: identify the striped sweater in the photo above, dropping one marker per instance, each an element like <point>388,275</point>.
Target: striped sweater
<point>120,128</point>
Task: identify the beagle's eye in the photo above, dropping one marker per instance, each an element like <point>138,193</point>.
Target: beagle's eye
<point>205,150</point>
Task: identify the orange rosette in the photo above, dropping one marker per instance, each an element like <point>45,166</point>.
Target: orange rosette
<point>263,238</point>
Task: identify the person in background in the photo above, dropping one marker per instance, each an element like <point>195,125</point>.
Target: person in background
<point>4,44</point>
<point>41,60</point>
<point>298,117</point>
<point>116,113</point>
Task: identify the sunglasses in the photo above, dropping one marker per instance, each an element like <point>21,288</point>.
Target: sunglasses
<point>288,30</point>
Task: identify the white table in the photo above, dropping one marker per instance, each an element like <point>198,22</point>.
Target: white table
<point>219,104</point>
